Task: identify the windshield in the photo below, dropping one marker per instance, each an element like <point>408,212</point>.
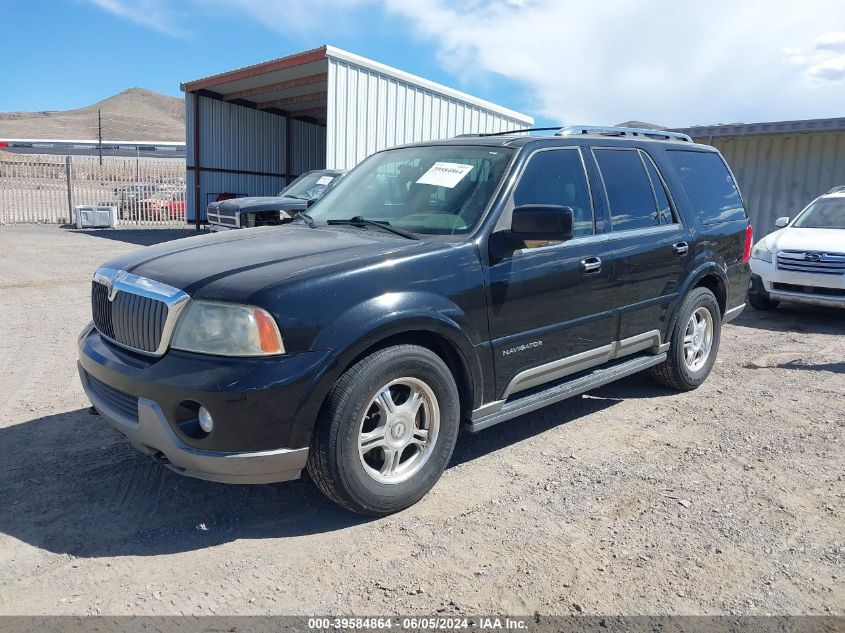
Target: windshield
<point>439,190</point>
<point>826,213</point>
<point>309,185</point>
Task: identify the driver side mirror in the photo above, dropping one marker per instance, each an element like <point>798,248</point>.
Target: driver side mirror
<point>541,222</point>
<point>310,202</point>
<point>782,222</point>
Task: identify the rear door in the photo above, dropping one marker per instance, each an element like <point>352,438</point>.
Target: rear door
<point>648,242</point>
<point>549,311</point>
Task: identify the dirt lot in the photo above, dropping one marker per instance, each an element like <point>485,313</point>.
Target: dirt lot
<point>631,499</point>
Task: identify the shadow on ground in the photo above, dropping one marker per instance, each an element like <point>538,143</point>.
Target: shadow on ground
<point>792,317</point>
<point>69,484</point>
<point>142,237</point>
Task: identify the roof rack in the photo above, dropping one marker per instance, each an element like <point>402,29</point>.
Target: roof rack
<point>839,189</point>
<point>508,132</point>
<point>664,135</point>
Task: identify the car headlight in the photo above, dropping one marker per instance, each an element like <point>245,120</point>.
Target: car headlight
<point>761,252</point>
<point>227,329</point>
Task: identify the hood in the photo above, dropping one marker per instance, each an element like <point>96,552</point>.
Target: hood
<point>265,203</point>
<point>236,264</point>
<point>793,239</point>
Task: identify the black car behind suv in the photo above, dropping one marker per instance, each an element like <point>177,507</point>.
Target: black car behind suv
<point>467,281</point>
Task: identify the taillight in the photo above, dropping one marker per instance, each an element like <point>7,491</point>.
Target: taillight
<point>749,242</point>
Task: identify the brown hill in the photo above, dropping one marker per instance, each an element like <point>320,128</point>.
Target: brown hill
<point>136,114</point>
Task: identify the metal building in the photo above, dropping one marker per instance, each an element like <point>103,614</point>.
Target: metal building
<point>780,166</point>
<point>250,131</point>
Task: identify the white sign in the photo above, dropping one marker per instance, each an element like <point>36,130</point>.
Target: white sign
<point>324,180</point>
<point>444,174</point>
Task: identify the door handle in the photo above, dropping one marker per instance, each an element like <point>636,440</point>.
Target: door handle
<point>590,265</point>
<point>681,248</point>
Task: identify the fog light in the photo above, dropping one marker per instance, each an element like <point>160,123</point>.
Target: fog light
<point>205,420</point>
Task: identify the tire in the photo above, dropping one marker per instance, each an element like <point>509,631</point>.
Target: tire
<point>762,302</point>
<point>358,477</point>
<point>677,372</point>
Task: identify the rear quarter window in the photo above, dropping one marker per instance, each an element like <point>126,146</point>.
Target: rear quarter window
<point>709,186</point>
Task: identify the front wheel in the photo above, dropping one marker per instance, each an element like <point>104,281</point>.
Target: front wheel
<point>695,337</point>
<point>762,302</point>
<point>387,431</point>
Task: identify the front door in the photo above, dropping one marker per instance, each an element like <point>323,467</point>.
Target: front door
<point>549,306</point>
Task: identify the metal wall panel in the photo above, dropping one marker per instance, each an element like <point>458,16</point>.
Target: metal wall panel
<point>780,174</point>
<point>234,137</point>
<point>308,147</point>
<point>369,111</point>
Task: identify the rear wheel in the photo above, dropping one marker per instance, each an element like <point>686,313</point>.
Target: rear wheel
<point>387,431</point>
<point>695,336</point>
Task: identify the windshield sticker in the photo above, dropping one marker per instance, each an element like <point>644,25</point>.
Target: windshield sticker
<point>444,174</point>
<point>324,180</point>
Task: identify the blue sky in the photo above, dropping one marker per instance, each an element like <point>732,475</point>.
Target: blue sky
<point>561,61</point>
<point>83,53</point>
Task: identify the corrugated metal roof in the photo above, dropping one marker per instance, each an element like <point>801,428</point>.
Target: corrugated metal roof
<point>299,82</point>
<point>261,68</point>
<point>400,75</point>
<point>773,127</point>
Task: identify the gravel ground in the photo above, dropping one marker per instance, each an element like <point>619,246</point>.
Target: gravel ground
<point>629,500</point>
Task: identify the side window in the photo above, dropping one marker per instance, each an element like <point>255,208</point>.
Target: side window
<point>629,192</point>
<point>557,177</point>
<point>709,186</point>
<point>664,209</point>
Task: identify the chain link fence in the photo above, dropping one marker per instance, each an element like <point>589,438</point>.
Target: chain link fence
<point>45,188</point>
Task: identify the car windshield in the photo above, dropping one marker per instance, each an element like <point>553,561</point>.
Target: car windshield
<point>438,190</point>
<point>825,213</point>
<point>309,185</point>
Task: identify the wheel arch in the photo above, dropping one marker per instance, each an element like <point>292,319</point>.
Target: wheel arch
<point>434,332</point>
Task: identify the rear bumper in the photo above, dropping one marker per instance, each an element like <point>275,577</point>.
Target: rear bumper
<point>151,434</point>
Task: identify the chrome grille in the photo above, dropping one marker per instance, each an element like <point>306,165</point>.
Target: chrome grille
<point>133,311</point>
<point>222,217</point>
<point>132,320</point>
<point>812,262</point>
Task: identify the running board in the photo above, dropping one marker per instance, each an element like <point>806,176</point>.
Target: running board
<point>596,378</point>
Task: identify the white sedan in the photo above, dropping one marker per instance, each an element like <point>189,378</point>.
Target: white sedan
<point>803,261</point>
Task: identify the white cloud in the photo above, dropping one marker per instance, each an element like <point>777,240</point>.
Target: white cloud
<point>669,62</point>
<point>833,41</point>
<point>825,65</point>
<point>154,14</point>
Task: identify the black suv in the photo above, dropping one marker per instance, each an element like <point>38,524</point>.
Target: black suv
<point>465,281</point>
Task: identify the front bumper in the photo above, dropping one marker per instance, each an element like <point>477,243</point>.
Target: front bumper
<point>797,287</point>
<point>253,401</point>
<point>151,434</point>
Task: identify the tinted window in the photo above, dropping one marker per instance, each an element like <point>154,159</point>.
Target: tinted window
<point>709,186</point>
<point>629,192</point>
<point>664,209</point>
<point>557,177</point>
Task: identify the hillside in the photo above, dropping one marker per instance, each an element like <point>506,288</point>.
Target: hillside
<point>134,114</point>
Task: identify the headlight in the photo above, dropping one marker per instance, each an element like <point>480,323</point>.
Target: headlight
<point>761,252</point>
<point>227,329</point>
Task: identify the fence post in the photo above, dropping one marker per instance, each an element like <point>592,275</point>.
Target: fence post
<point>68,173</point>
